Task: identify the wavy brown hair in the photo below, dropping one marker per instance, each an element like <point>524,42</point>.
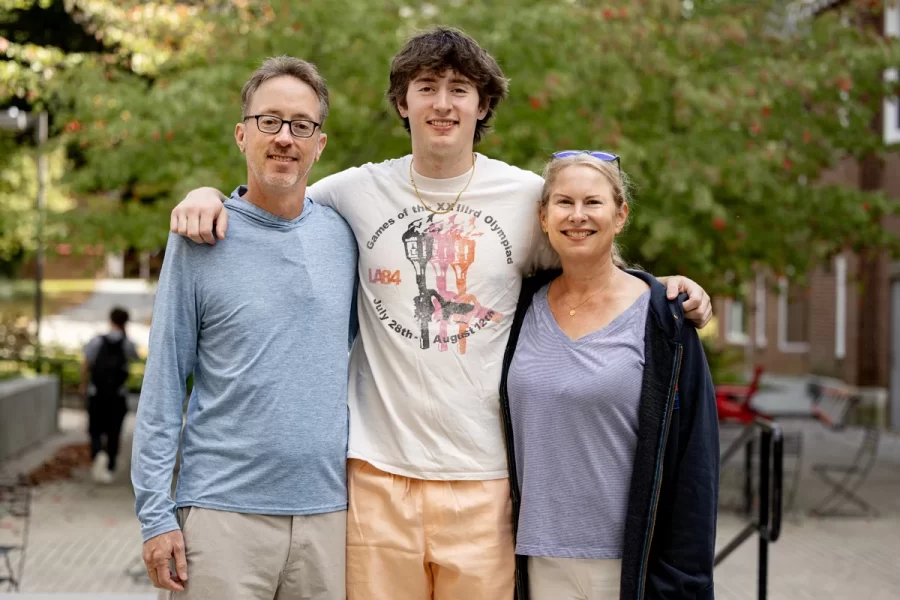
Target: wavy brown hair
<point>441,49</point>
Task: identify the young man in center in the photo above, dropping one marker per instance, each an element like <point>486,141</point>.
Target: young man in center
<point>445,237</point>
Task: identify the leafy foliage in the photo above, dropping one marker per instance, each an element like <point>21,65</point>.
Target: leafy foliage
<point>724,128</point>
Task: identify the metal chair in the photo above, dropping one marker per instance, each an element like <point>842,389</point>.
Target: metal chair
<point>736,485</point>
<point>15,501</point>
<point>733,402</point>
<point>793,455</point>
<point>832,407</point>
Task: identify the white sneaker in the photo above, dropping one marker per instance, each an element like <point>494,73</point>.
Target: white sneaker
<point>105,477</point>
<point>100,469</point>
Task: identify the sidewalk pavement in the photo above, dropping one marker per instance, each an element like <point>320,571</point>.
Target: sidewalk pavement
<point>75,327</point>
<point>834,559</point>
<point>83,538</point>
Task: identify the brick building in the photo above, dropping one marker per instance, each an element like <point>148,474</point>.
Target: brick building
<point>846,322</point>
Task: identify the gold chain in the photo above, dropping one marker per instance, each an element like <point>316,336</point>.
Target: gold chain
<point>440,212</point>
<point>572,308</point>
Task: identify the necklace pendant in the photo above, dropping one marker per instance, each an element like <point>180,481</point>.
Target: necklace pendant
<point>572,313</point>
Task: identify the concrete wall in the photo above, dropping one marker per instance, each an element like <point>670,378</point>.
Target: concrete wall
<point>28,410</point>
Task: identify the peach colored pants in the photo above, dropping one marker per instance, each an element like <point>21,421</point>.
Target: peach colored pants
<point>411,539</point>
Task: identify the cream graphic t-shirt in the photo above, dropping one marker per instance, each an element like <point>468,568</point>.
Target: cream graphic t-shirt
<point>436,301</point>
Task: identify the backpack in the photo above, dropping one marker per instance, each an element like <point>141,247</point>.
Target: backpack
<point>110,369</point>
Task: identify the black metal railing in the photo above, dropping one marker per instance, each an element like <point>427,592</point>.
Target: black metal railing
<point>767,522</point>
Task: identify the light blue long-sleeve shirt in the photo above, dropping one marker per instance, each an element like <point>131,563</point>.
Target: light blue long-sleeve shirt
<point>262,319</point>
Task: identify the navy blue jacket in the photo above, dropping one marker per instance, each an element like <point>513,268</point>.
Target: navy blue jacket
<point>670,524</point>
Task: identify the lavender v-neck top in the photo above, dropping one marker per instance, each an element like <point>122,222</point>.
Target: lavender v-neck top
<point>574,408</point>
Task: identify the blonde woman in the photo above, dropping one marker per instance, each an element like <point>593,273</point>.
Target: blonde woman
<point>609,412</point>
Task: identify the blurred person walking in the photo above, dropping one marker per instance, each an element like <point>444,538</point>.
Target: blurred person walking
<point>104,372</point>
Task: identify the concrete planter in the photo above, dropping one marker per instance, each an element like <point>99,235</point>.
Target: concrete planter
<point>28,412</point>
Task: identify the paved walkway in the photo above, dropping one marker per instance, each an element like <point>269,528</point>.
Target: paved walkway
<point>84,539</point>
<point>76,326</point>
<point>816,560</point>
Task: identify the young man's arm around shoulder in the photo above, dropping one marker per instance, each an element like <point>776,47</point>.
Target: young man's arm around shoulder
<point>337,190</point>
<point>203,218</point>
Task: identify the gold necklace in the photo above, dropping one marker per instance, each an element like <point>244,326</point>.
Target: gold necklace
<point>440,212</point>
<point>572,308</point>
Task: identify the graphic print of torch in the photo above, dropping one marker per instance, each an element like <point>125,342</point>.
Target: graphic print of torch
<point>418,248</point>
<point>465,256</point>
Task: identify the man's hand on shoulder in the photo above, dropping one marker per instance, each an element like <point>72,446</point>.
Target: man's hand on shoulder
<point>200,216</point>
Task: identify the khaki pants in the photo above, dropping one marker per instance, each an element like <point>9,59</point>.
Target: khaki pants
<point>573,578</point>
<point>262,557</point>
<point>410,539</point>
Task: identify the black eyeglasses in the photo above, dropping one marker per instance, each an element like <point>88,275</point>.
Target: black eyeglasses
<point>604,156</point>
<point>301,128</point>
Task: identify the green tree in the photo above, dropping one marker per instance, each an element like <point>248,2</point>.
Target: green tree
<point>18,189</point>
<point>43,44</point>
<point>724,127</point>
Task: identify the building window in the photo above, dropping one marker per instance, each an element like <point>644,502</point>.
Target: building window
<point>891,105</point>
<point>793,318</point>
<point>840,306</point>
<point>736,326</point>
<point>760,317</point>
<point>739,314</point>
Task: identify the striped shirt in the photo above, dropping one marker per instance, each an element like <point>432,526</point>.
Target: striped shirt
<point>574,408</point>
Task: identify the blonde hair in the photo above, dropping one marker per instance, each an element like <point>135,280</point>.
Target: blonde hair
<point>617,179</point>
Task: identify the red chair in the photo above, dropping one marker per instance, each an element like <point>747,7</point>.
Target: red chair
<point>733,401</point>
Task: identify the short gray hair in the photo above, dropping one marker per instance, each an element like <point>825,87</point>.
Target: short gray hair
<point>283,65</point>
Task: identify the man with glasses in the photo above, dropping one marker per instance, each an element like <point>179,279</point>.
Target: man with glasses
<point>445,236</point>
<point>263,323</point>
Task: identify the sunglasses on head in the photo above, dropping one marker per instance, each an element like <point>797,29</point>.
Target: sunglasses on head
<point>604,156</point>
